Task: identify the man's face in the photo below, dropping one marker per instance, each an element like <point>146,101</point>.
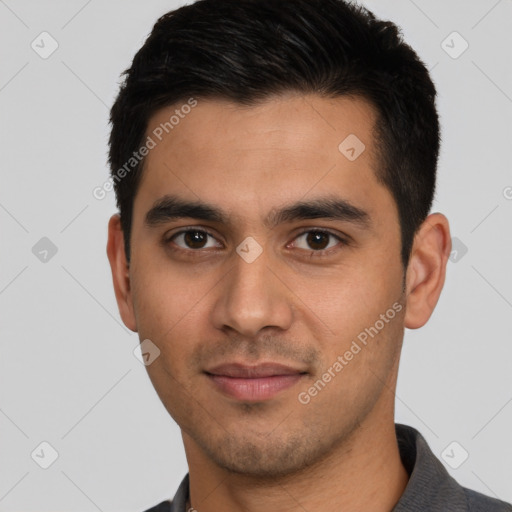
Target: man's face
<point>293,293</point>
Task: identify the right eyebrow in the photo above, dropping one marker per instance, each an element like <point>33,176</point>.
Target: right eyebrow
<point>170,208</point>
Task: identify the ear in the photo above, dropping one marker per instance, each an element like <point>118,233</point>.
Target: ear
<point>427,269</point>
<point>120,272</point>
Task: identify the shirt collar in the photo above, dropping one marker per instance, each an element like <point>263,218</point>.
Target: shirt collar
<point>430,486</point>
<point>179,502</point>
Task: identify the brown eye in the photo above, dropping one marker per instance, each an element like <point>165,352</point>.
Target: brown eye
<point>192,239</point>
<point>316,240</point>
<point>195,239</point>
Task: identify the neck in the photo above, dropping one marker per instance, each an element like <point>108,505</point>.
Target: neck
<point>364,473</point>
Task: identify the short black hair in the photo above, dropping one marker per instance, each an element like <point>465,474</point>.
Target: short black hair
<point>248,50</point>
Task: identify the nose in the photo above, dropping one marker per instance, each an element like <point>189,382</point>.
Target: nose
<point>252,297</point>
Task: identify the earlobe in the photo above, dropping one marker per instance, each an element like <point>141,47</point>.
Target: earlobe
<point>426,271</point>
<point>120,272</point>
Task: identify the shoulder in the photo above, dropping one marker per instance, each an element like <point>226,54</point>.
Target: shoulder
<point>165,506</point>
<point>478,502</point>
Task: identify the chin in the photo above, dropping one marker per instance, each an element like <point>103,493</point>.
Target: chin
<point>266,458</point>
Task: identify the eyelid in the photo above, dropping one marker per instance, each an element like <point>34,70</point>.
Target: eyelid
<point>343,239</point>
<point>184,229</point>
<point>335,234</point>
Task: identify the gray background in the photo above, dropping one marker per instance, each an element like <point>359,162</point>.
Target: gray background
<point>68,374</point>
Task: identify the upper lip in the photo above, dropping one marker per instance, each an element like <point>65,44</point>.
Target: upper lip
<point>253,371</point>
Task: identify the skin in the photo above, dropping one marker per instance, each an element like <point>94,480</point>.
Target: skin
<point>205,306</point>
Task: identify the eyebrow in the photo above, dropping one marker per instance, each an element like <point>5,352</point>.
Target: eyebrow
<point>170,207</point>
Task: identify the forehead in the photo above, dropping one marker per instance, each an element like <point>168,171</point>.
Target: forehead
<point>250,159</point>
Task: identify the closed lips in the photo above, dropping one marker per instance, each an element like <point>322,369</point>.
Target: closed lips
<point>240,371</point>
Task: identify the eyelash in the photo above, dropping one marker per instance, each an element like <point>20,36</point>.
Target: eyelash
<point>313,253</point>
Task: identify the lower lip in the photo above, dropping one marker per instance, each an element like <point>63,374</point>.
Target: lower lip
<point>254,389</point>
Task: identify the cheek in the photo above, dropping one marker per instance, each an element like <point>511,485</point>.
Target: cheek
<point>172,306</point>
<point>163,292</point>
<point>357,303</point>
<point>348,297</point>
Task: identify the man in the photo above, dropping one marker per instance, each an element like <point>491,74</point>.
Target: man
<point>275,164</point>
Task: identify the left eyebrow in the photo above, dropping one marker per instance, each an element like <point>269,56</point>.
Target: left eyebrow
<point>171,207</point>
<point>321,208</point>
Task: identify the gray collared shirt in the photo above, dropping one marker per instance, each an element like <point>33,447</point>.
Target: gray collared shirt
<point>430,487</point>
